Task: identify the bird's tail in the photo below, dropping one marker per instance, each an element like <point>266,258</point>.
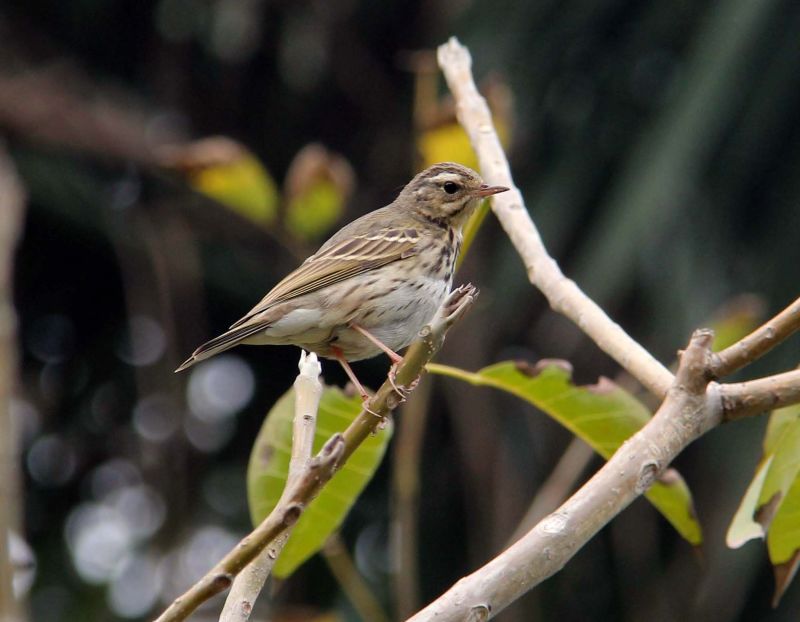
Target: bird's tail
<point>219,344</point>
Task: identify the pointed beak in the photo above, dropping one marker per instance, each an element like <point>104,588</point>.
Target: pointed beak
<point>487,191</point>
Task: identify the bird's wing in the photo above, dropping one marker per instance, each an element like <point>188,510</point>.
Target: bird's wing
<point>339,261</point>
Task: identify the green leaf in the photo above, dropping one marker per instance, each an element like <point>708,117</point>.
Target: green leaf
<point>243,185</point>
<point>771,488</point>
<point>783,541</point>
<point>311,214</point>
<point>743,527</point>
<point>782,472</point>
<point>269,466</point>
<point>736,318</point>
<point>604,415</point>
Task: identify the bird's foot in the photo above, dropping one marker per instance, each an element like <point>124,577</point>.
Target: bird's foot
<point>405,390</point>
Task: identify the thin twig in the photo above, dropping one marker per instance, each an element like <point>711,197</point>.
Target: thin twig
<point>249,583</point>
<point>406,464</point>
<point>12,210</point>
<point>332,456</point>
<point>686,414</point>
<point>556,487</point>
<point>352,583</point>
<point>564,295</point>
<point>754,397</point>
<point>758,343</point>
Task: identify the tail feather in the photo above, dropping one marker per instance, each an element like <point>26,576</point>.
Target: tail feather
<point>219,344</point>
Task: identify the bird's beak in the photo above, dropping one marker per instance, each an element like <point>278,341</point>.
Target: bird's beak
<point>487,191</point>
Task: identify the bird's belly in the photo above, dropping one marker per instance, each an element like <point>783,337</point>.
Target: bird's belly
<point>395,318</point>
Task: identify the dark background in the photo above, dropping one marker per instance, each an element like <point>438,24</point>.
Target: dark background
<point>658,149</point>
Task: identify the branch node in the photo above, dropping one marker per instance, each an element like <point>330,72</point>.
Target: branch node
<point>694,370</point>
<point>222,581</point>
<point>292,513</point>
<point>331,452</point>
<point>479,613</point>
<point>648,474</point>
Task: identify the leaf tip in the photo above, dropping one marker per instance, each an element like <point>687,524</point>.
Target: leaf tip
<point>533,370</point>
<point>784,573</point>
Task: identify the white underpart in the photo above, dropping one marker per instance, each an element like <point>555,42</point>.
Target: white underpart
<point>295,323</point>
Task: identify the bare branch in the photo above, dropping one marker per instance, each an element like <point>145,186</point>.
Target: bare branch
<point>686,414</point>
<point>249,583</point>
<point>564,295</point>
<point>556,487</point>
<point>12,210</point>
<point>755,397</point>
<point>352,583</point>
<point>323,466</point>
<point>758,343</point>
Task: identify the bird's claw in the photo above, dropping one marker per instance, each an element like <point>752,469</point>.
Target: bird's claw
<point>401,391</point>
<point>365,406</point>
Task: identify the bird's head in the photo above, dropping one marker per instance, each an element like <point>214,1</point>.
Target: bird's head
<point>446,193</point>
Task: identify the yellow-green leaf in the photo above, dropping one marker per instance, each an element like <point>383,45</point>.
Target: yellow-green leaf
<point>735,319</point>
<point>783,541</point>
<point>243,185</point>
<point>604,415</point>
<point>318,185</point>
<point>781,474</point>
<point>311,214</point>
<point>772,502</point>
<point>269,466</point>
<point>771,505</point>
<point>743,527</point>
<point>229,173</point>
<point>450,143</point>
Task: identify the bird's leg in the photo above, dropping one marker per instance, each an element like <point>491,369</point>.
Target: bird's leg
<point>339,356</point>
<point>394,356</point>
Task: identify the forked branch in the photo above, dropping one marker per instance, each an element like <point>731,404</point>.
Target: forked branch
<point>686,414</point>
<point>693,403</point>
<point>563,294</point>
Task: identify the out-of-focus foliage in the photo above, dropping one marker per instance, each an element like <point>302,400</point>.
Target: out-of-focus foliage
<point>229,173</point>
<point>318,185</point>
<point>735,319</point>
<point>603,415</point>
<point>269,467</point>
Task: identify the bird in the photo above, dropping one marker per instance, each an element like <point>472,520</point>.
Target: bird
<point>375,283</point>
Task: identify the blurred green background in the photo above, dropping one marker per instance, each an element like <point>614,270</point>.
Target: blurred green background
<point>658,149</point>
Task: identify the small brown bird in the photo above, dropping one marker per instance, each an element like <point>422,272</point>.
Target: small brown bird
<point>375,283</point>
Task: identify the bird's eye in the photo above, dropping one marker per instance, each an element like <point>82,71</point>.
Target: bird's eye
<point>450,187</point>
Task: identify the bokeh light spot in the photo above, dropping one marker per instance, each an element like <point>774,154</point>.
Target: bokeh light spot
<point>144,343</point>
<point>219,388</point>
<point>51,461</point>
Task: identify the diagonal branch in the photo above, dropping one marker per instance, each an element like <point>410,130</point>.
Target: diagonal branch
<point>692,405</point>
<point>758,343</point>
<point>12,217</point>
<point>564,295</point>
<point>754,397</point>
<point>323,466</point>
<point>686,414</point>
<point>249,583</point>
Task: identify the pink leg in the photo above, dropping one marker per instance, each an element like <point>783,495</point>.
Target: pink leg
<point>349,371</point>
<point>396,358</point>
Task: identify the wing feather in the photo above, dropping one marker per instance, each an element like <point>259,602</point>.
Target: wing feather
<point>340,261</point>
